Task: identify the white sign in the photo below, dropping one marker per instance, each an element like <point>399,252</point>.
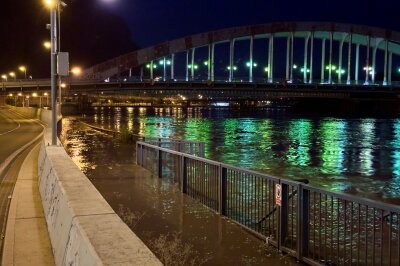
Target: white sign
<point>63,64</point>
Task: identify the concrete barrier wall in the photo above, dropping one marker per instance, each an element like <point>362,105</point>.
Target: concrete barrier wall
<point>36,113</point>
<point>83,228</point>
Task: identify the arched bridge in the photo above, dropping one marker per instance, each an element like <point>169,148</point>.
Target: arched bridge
<point>314,52</point>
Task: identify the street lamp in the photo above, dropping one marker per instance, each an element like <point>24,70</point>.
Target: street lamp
<point>12,74</point>
<point>23,69</point>
<point>54,6</point>
<point>76,71</point>
<point>4,77</point>
<point>47,45</point>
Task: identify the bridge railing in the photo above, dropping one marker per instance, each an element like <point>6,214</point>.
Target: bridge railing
<point>314,225</point>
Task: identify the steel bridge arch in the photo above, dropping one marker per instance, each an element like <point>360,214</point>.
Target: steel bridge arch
<point>374,37</point>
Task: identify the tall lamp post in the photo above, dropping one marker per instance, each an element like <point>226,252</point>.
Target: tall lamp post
<point>53,5</point>
<point>23,69</point>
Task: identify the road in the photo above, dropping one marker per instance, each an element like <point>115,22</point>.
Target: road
<point>15,132</point>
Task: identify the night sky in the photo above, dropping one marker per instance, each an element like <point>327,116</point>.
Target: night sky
<point>96,30</point>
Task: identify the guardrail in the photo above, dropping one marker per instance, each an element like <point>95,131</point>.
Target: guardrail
<point>316,226</point>
<point>198,80</point>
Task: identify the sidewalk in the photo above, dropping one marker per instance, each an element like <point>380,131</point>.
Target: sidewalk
<point>27,241</point>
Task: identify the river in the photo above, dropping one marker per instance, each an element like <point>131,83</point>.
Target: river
<point>360,156</point>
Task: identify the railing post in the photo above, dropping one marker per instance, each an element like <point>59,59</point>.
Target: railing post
<point>222,190</point>
<point>283,215</point>
<point>159,163</point>
<point>138,152</point>
<point>303,221</point>
<point>183,174</point>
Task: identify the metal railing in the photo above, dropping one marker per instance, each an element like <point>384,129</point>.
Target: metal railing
<point>314,225</point>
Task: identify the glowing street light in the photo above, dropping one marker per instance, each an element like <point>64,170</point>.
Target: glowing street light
<point>4,77</point>
<point>47,45</point>
<point>294,66</point>
<point>23,69</point>
<point>12,74</point>
<point>234,68</point>
<point>76,71</point>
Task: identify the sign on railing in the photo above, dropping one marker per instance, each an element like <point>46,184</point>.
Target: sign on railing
<point>314,225</point>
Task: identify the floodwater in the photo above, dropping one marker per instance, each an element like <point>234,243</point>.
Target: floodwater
<point>178,229</point>
<point>360,156</point>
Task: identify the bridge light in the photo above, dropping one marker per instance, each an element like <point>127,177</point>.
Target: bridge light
<point>45,94</point>
<point>206,63</point>
<point>154,66</point>
<point>398,70</point>
<point>11,95</point>
<point>12,74</point>
<point>34,94</point>
<point>148,66</point>
<point>162,62</point>
<point>248,64</point>
<point>63,85</point>
<point>266,69</point>
<point>190,66</point>
<point>196,66</point>
<point>4,77</point>
<point>234,68</point>
<point>294,66</point>
<point>168,62</point>
<point>308,71</point>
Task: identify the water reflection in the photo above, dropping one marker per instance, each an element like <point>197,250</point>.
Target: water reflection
<point>352,155</point>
